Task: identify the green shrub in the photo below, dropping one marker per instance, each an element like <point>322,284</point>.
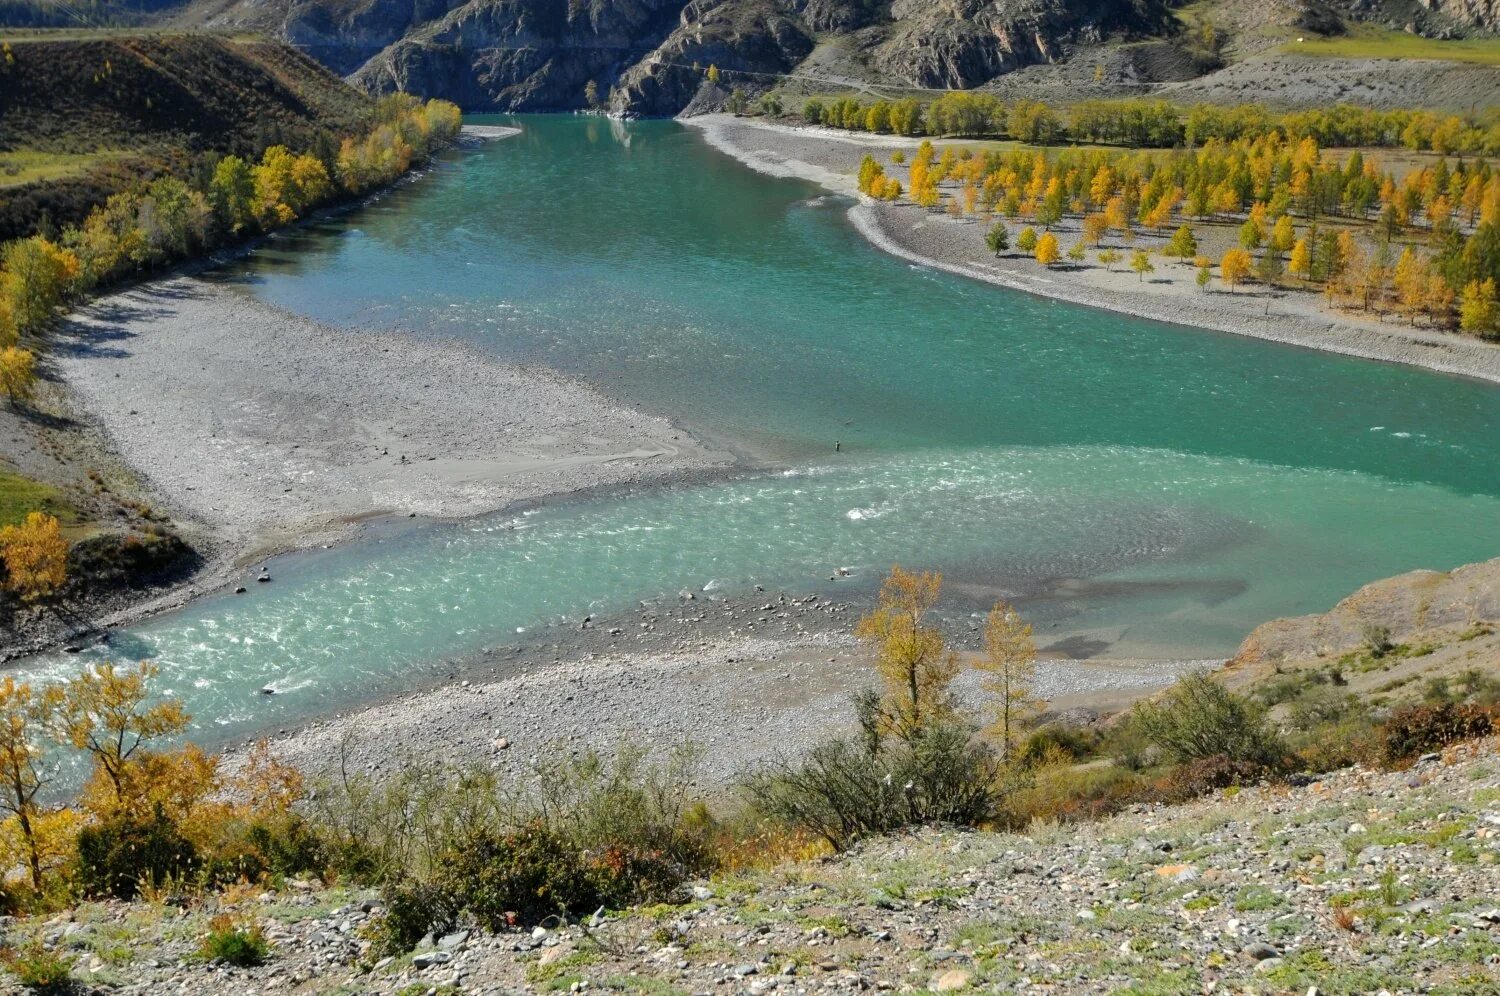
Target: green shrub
<point>1058,740</point>
<point>851,788</point>
<point>1416,730</point>
<point>40,970</point>
<point>1199,718</point>
<point>530,874</point>
<point>121,857</point>
<point>412,909</point>
<point>236,945</point>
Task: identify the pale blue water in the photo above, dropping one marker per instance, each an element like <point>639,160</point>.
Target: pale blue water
<point>1156,489</point>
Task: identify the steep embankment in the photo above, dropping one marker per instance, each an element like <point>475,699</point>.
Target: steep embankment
<point>83,118</point>
<point>1388,639</point>
<point>649,56</point>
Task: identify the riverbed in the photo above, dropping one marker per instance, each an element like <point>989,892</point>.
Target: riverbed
<point>1142,490</point>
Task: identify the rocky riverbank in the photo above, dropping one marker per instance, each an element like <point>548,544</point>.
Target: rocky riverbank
<point>1361,882</point>
<point>743,680</point>
<point>930,238</point>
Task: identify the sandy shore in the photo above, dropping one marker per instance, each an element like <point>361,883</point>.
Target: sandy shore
<point>933,239</point>
<point>276,431</point>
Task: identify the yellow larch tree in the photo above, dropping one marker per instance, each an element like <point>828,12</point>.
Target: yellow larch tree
<point>1047,250</point>
<point>106,713</point>
<point>26,716</point>
<point>17,374</point>
<point>915,665</point>
<point>1009,666</point>
<point>35,555</point>
<point>1234,267</point>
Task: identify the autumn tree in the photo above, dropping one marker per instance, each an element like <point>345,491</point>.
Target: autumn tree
<point>1094,227</point>
<point>1077,252</point>
<point>35,556</point>
<point>34,277</point>
<point>1478,312</point>
<point>1301,263</point>
<point>1109,257</point>
<point>106,713</point>
<point>997,238</point>
<point>1205,275</point>
<point>1047,251</point>
<point>591,94</point>
<point>17,374</point>
<point>1234,267</point>
<point>1009,667</point>
<point>915,665</point>
<point>1027,240</point>
<point>713,75</point>
<point>26,717</point>
<point>1283,235</point>
<point>1140,262</point>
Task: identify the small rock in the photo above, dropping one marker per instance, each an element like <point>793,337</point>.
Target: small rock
<point>1260,951</point>
<point>951,981</point>
<point>429,958</point>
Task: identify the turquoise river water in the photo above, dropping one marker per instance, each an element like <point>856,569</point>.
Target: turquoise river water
<point>1146,489</point>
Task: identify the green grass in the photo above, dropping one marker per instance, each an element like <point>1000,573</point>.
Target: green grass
<point>20,495</point>
<point>21,167</point>
<point>1363,42</point>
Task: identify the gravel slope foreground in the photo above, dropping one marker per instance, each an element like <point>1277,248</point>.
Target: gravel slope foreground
<point>1237,892</point>
<point>278,431</point>
<point>933,239</point>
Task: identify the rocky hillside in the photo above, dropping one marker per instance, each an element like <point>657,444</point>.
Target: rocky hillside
<point>1389,639</point>
<point>1359,883</point>
<point>81,118</point>
<point>648,56</point>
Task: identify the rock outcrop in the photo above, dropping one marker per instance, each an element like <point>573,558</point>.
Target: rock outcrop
<point>649,56</point>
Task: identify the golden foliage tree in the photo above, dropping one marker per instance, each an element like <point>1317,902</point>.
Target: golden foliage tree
<point>1009,666</point>
<point>17,373</point>
<point>25,719</point>
<point>1140,262</point>
<point>106,713</point>
<point>1234,267</point>
<point>35,554</point>
<point>1047,250</point>
<point>915,665</point>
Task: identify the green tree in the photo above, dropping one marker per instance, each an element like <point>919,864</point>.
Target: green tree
<point>1250,235</point>
<point>997,238</point>
<point>232,194</point>
<point>1026,241</point>
<point>1184,245</point>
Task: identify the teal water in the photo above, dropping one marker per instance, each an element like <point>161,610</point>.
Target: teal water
<point>1147,488</point>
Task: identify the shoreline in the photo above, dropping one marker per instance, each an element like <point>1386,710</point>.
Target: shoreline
<point>744,679</point>
<point>931,239</point>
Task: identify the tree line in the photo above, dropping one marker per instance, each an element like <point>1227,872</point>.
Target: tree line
<point>220,201</point>
<point>1295,206</point>
<point>1157,123</point>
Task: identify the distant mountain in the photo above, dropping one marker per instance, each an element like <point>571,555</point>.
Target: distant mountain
<point>649,56</point>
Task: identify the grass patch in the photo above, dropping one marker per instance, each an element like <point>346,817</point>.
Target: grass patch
<point>1366,42</point>
<point>29,166</point>
<point>20,495</point>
